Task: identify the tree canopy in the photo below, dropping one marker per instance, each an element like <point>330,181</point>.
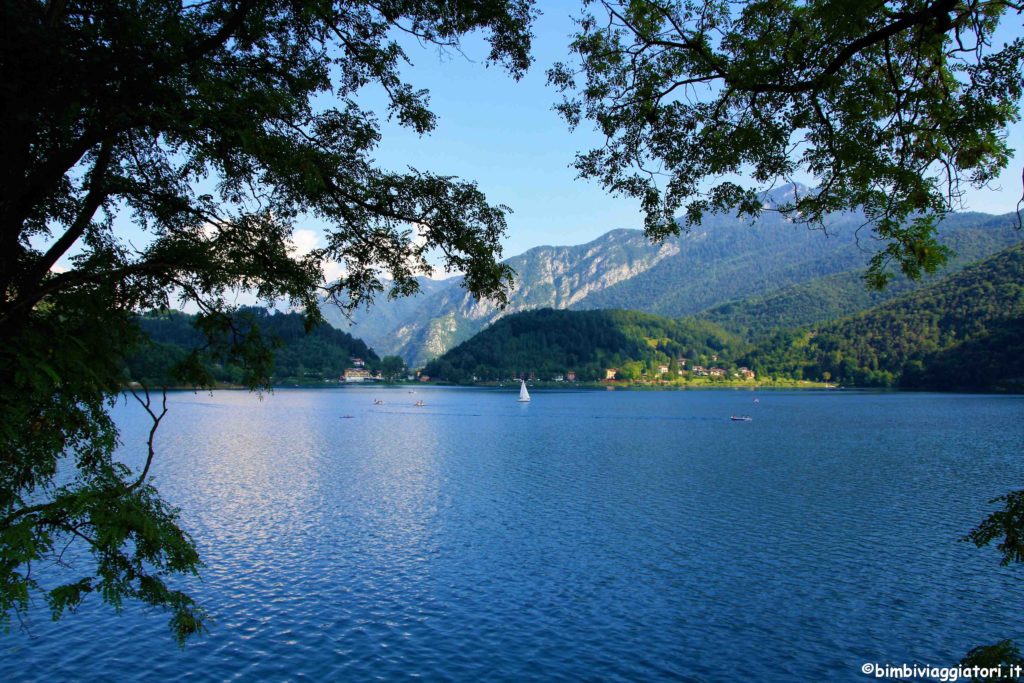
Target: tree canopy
<point>962,332</point>
<point>889,106</point>
<point>545,343</point>
<point>214,127</point>
<point>392,368</point>
<point>174,344</point>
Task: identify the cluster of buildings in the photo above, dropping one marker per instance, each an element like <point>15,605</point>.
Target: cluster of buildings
<point>610,374</point>
<point>739,373</point>
<point>358,372</point>
<point>744,373</point>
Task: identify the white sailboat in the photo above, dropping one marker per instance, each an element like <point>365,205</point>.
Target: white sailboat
<point>524,395</point>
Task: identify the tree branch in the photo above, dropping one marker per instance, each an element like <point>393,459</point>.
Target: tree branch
<point>939,10</point>
<point>223,34</point>
<point>93,200</point>
<point>151,451</point>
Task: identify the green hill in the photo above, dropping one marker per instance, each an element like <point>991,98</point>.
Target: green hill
<point>971,236</point>
<point>960,333</point>
<point>547,342</point>
<point>323,353</point>
<point>820,300</point>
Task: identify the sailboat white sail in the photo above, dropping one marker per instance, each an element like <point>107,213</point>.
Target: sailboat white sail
<point>524,395</point>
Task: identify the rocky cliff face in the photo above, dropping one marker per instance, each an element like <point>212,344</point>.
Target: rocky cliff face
<point>555,277</point>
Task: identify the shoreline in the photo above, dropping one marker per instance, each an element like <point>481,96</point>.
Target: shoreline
<point>591,386</point>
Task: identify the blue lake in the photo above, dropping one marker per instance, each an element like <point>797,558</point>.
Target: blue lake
<point>586,535</point>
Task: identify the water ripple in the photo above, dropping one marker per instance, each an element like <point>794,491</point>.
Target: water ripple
<point>587,536</point>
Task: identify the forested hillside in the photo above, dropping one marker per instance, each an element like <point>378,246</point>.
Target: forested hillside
<point>547,342</point>
<point>972,237</point>
<point>963,332</point>
<point>323,353</point>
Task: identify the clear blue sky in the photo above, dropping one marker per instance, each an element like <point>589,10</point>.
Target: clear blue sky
<point>505,135</point>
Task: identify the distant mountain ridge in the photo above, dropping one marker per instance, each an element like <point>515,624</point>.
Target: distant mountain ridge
<point>444,313</point>
<point>972,237</point>
<point>726,259</point>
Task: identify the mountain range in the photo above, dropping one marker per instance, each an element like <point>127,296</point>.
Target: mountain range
<point>962,332</point>
<point>742,275</point>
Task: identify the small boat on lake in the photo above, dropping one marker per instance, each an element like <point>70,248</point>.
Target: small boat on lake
<point>419,404</point>
<point>378,402</point>
<point>524,395</point>
<point>741,418</point>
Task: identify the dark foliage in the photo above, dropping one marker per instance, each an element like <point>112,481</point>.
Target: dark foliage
<point>960,333</point>
<point>547,342</point>
<point>174,345</point>
<point>890,105</point>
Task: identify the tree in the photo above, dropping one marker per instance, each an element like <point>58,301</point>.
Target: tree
<point>889,106</point>
<point>205,125</point>
<point>630,370</point>
<point>1007,527</point>
<point>392,368</point>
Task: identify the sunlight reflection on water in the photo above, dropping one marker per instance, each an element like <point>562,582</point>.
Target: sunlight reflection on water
<point>613,535</point>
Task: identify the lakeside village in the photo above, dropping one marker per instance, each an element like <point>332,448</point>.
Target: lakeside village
<point>676,372</point>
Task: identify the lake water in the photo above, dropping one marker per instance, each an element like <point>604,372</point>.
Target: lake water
<point>586,535</point>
